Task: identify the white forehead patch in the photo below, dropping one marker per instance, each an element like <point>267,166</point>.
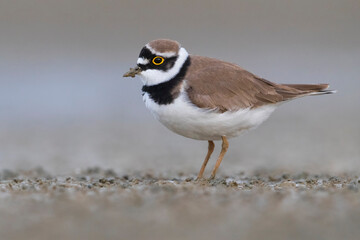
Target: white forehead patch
<point>163,54</point>
<point>142,61</point>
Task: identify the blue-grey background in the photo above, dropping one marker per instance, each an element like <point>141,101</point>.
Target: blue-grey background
<point>64,104</point>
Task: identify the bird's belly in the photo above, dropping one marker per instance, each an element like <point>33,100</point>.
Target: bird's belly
<point>186,119</point>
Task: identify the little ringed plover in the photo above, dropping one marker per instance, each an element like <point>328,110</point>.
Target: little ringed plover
<point>208,99</point>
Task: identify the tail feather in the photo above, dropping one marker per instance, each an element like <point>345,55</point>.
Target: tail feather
<point>309,87</point>
<point>323,92</point>
<point>290,91</point>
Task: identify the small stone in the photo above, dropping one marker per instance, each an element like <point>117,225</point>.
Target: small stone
<point>287,184</point>
<point>285,176</point>
<point>102,180</point>
<point>16,180</point>
<point>233,184</point>
<point>188,179</point>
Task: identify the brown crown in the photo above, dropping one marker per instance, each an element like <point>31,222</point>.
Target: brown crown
<point>165,45</point>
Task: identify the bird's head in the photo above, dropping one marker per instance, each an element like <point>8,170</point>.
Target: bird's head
<point>159,61</point>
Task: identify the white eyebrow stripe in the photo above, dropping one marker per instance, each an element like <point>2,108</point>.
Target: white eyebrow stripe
<point>167,54</point>
<point>142,61</point>
<point>163,54</point>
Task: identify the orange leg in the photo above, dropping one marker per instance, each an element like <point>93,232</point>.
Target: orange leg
<point>225,145</point>
<point>210,151</point>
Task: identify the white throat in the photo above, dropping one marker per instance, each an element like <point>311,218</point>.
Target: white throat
<point>153,76</point>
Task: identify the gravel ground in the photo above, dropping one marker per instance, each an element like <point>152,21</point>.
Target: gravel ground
<point>100,204</point>
<point>292,178</point>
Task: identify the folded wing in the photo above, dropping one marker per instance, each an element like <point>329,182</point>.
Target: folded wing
<point>214,84</point>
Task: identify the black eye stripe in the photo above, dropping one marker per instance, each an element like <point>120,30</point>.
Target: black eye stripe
<point>147,54</point>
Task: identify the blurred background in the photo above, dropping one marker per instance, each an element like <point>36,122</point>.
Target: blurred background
<point>64,104</point>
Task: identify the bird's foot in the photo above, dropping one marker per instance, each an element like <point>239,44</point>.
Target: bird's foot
<point>199,178</point>
<point>212,177</point>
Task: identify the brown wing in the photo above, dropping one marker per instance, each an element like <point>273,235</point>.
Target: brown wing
<point>215,84</point>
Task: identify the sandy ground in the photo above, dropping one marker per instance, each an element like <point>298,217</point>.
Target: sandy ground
<point>100,204</point>
<point>293,178</point>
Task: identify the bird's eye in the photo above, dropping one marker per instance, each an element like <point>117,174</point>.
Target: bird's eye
<point>158,60</point>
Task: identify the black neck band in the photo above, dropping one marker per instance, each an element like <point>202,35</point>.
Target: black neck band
<point>162,92</point>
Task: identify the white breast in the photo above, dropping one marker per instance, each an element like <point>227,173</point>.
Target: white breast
<point>186,119</point>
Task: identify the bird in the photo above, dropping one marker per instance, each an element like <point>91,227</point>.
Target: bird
<point>208,99</point>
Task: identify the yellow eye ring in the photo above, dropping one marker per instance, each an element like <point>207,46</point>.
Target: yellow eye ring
<point>158,60</point>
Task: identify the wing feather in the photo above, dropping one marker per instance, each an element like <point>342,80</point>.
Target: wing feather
<point>214,84</point>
